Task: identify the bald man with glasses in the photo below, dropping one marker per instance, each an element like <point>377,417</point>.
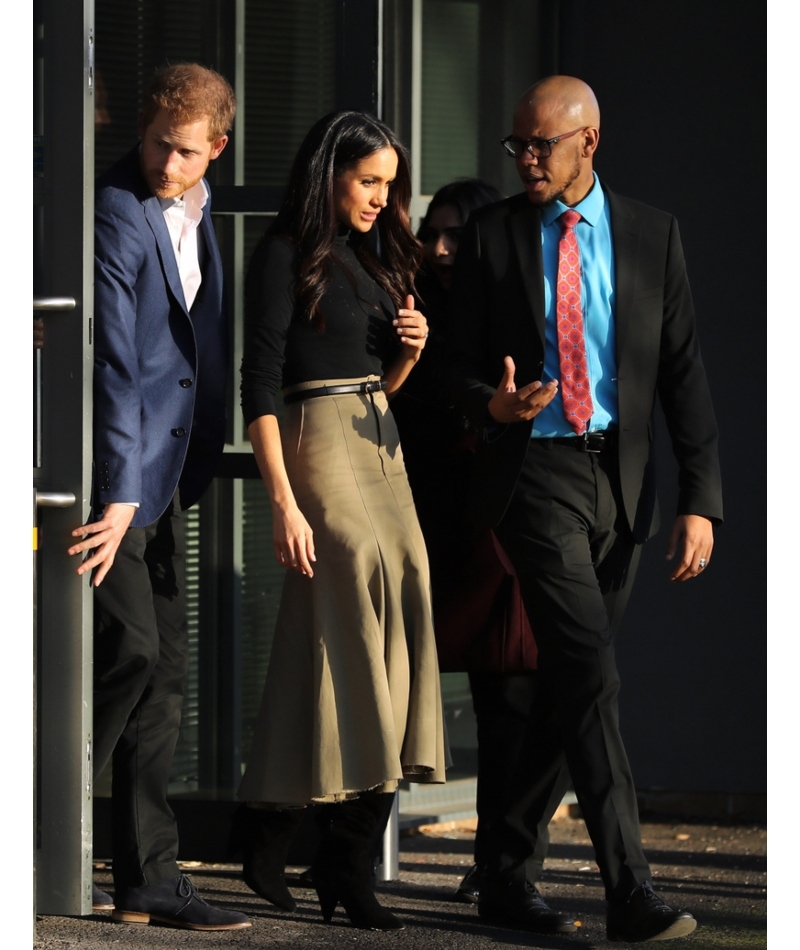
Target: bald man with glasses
<point>572,314</point>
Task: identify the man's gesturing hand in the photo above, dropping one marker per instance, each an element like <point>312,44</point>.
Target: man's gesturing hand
<point>510,404</point>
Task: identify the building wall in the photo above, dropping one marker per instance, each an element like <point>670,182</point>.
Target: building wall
<point>676,81</point>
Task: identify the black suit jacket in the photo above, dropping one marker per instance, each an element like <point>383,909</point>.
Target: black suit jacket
<point>498,310</point>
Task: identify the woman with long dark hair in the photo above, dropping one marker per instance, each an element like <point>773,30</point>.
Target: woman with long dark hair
<point>351,703</point>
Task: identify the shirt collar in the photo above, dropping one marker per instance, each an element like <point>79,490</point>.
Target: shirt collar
<point>590,208</point>
<point>193,201</point>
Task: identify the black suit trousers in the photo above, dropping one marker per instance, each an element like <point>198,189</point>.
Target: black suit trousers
<point>565,534</point>
<point>141,659</point>
<point>502,704</point>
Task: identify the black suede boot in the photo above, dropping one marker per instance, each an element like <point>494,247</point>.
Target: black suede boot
<point>264,837</point>
<point>322,819</point>
<point>343,869</point>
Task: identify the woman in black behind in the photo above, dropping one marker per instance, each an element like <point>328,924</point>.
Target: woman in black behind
<point>480,622</point>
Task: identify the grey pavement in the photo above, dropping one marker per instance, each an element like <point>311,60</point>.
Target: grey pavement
<point>718,872</point>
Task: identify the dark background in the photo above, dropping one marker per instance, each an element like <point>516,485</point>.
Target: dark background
<point>676,82</point>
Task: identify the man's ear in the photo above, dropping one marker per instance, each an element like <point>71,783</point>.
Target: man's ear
<point>217,147</point>
<point>591,141</point>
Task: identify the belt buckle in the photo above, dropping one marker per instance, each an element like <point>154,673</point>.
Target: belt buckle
<point>593,442</point>
<point>372,386</point>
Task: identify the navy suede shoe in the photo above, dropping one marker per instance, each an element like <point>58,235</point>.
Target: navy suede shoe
<point>101,900</point>
<point>174,902</point>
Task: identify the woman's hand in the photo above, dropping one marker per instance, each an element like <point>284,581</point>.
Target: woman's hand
<point>412,328</point>
<point>292,537</point>
<point>293,540</point>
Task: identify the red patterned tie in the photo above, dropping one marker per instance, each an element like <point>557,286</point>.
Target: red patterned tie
<point>575,393</point>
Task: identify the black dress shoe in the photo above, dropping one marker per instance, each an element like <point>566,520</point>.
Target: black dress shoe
<point>470,887</point>
<point>174,902</point>
<point>101,900</point>
<point>644,916</point>
<point>519,905</point>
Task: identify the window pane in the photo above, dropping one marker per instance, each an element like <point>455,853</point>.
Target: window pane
<point>134,37</point>
<point>289,80</point>
<point>449,92</point>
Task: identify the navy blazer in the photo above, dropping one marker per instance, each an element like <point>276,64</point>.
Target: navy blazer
<point>160,370</point>
<point>497,302</point>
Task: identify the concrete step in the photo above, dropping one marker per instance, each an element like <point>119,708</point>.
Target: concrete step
<point>452,802</point>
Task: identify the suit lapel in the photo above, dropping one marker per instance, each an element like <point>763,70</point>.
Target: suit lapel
<point>526,230</point>
<point>625,234</point>
<point>211,262</point>
<point>155,218</point>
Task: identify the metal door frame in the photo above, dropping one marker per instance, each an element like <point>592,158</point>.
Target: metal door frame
<point>63,201</point>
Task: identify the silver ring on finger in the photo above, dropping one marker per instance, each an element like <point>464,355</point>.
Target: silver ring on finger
<point>702,564</point>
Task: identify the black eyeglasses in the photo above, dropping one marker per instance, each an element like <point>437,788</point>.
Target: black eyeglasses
<point>538,148</point>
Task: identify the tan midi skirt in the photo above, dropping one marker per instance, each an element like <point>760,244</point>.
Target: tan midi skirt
<point>352,697</point>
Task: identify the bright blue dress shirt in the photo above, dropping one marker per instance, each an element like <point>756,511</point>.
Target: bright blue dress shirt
<point>593,232</point>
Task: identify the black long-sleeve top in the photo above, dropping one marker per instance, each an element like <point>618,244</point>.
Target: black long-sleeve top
<point>281,348</point>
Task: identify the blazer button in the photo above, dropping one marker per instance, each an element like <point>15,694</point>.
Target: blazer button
<point>186,383</point>
<point>180,431</point>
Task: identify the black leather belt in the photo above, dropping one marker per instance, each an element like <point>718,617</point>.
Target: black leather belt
<point>371,386</point>
<point>588,442</point>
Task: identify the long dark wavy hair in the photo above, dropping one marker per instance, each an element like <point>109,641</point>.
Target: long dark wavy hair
<point>335,144</point>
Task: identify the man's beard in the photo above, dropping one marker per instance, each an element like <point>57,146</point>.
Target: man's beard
<point>174,190</point>
<point>178,187</point>
<point>573,177</point>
